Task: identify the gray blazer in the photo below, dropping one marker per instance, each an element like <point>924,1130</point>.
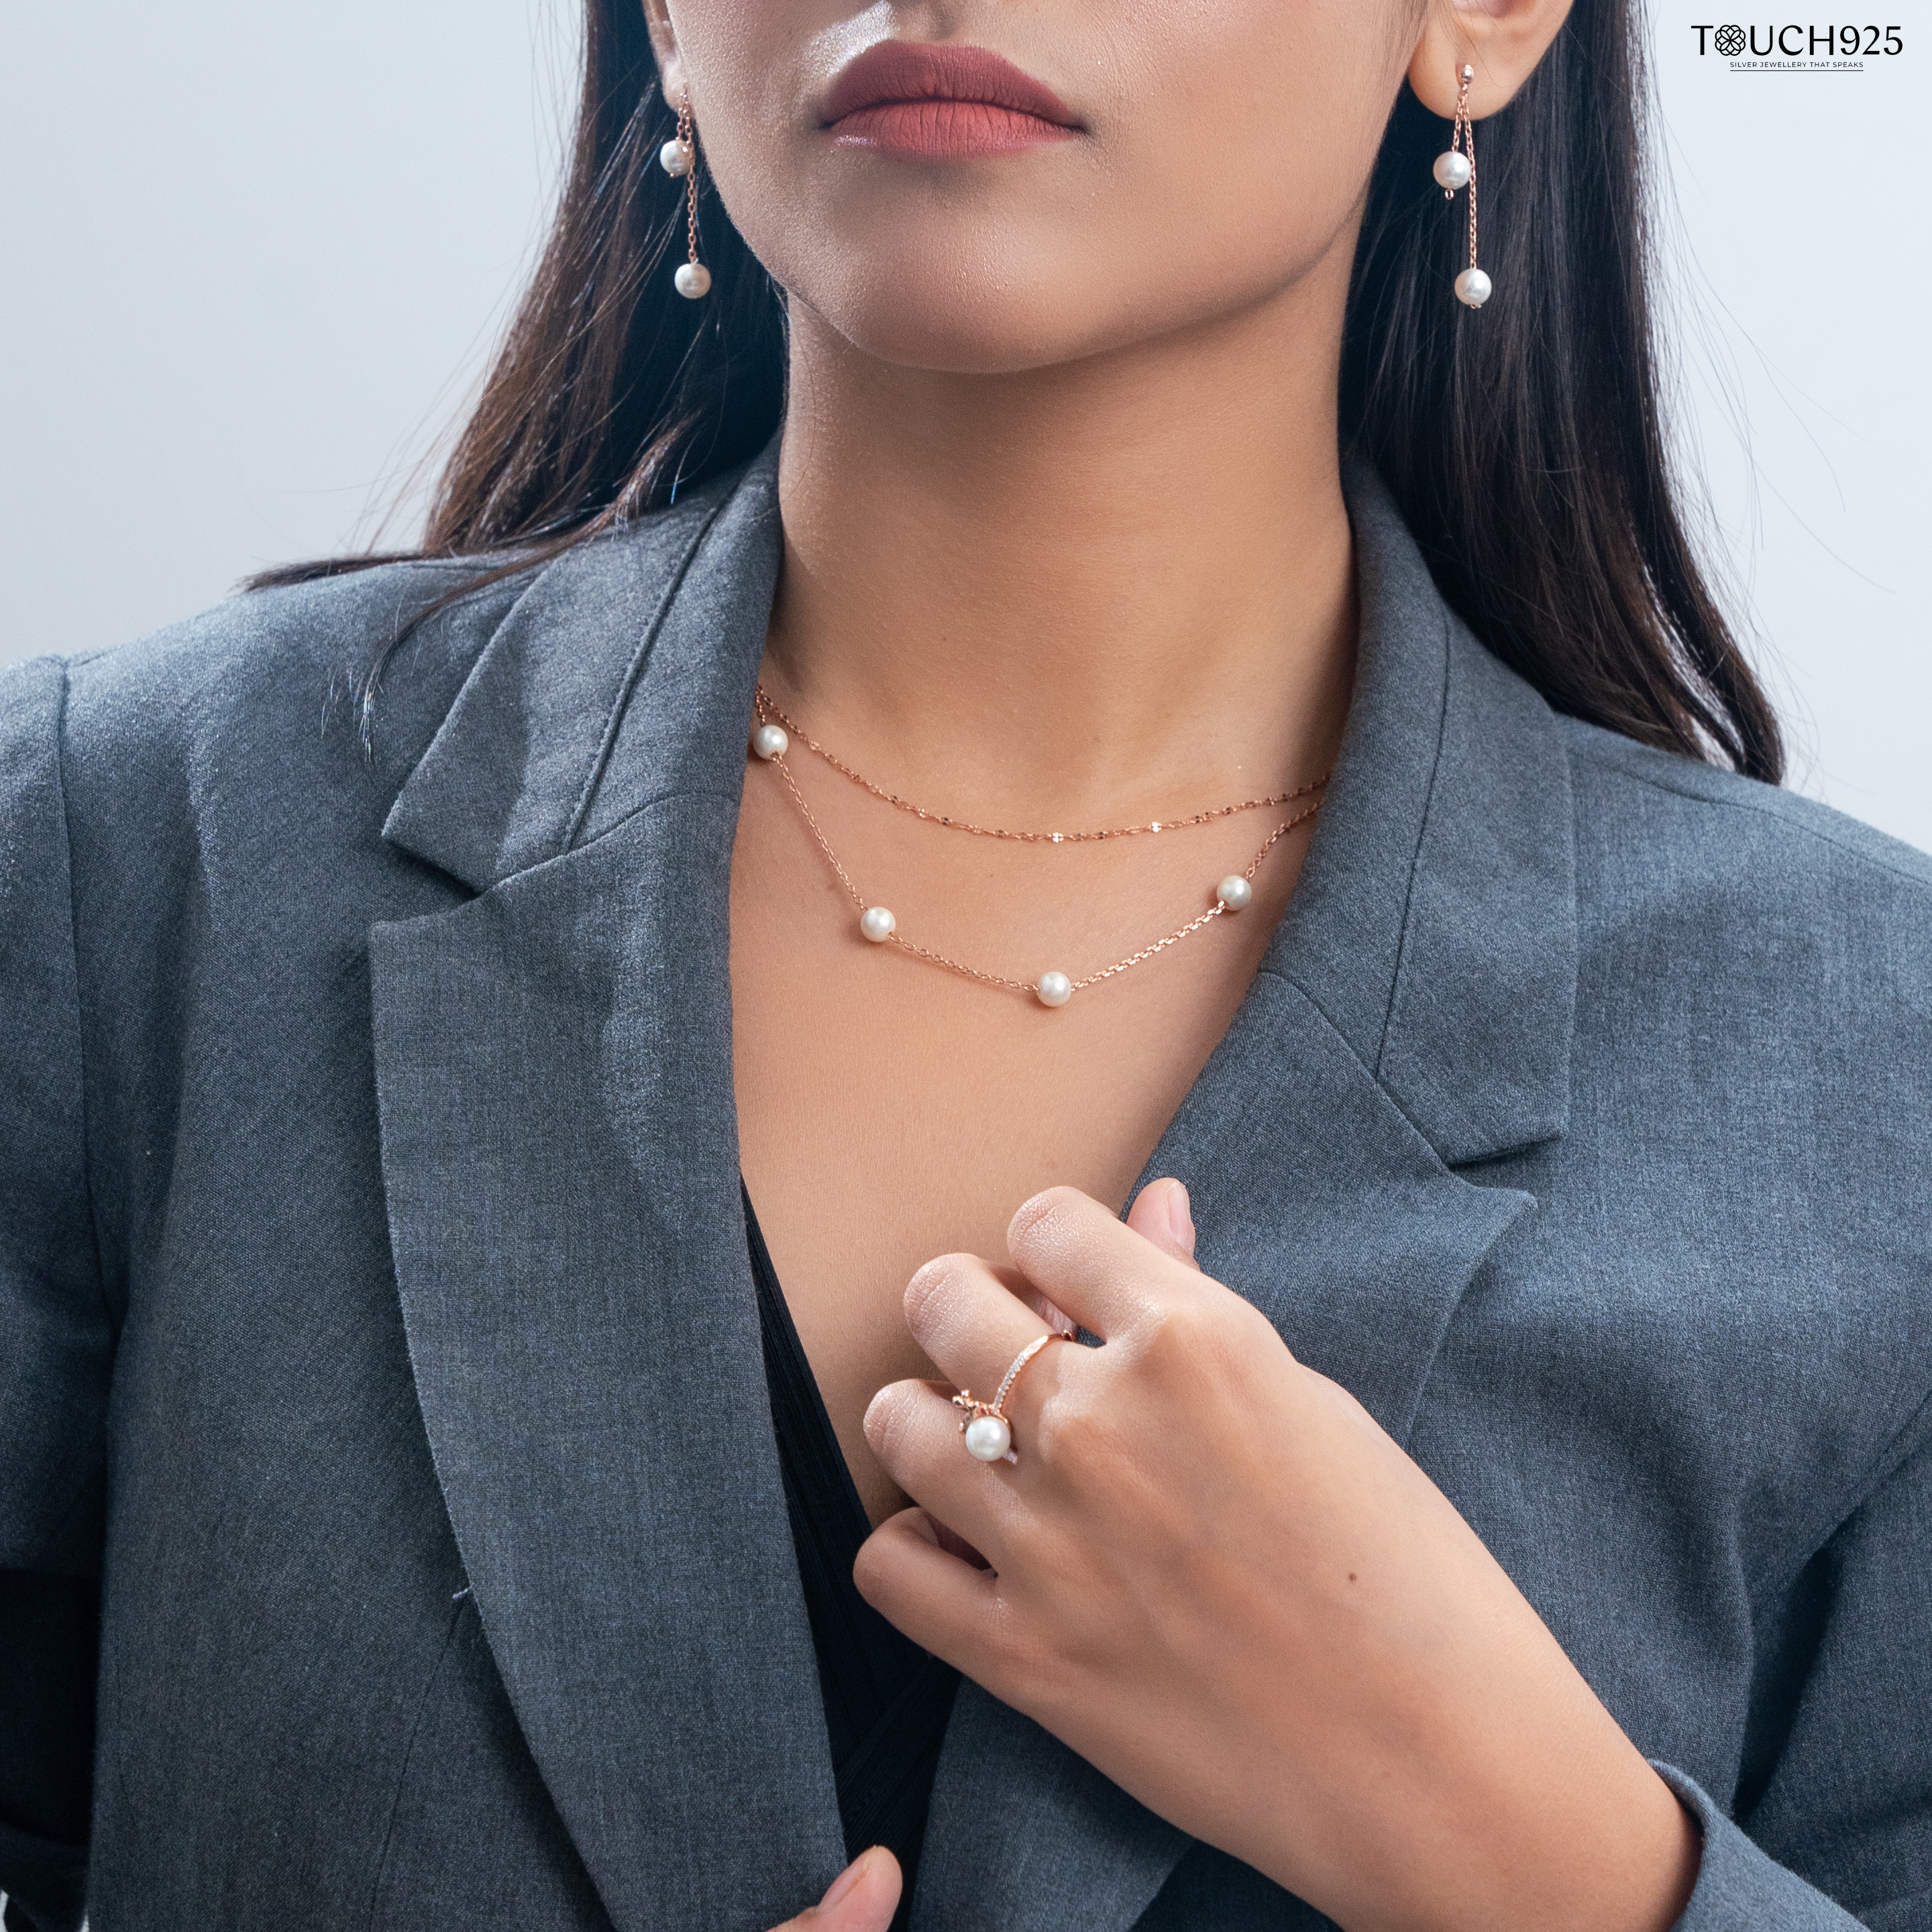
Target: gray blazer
<point>378,1327</point>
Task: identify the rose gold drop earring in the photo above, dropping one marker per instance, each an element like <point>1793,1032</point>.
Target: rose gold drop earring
<point>1457,168</point>
<point>678,157</point>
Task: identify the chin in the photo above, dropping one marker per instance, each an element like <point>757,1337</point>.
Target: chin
<point>968,314</point>
<point>988,333</point>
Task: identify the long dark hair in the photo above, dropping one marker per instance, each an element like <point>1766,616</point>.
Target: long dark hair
<point>1524,444</point>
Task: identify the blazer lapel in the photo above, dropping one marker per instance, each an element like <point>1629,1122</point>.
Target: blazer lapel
<point>559,1152</point>
<point>1413,1012</point>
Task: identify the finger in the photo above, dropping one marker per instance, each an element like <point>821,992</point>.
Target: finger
<point>1056,1318</point>
<point>1105,1274</point>
<point>971,1324</point>
<point>1163,1214</point>
<point>915,1431</point>
<point>944,1605</point>
<point>862,1898</point>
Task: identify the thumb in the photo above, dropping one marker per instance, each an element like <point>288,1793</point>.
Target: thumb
<point>1161,1215</point>
<point>862,1898</point>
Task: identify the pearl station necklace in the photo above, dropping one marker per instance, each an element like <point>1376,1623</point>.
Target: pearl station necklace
<point>771,738</point>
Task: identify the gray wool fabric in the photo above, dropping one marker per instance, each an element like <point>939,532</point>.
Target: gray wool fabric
<point>377,1324</point>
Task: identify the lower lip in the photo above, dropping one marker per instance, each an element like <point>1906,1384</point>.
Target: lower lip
<point>945,131</point>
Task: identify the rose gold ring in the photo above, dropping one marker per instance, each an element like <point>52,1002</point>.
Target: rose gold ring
<point>989,1436</point>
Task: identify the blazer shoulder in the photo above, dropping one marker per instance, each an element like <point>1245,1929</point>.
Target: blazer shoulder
<point>273,659</point>
<point>248,659</point>
<point>1743,818</point>
<point>189,737</point>
<point>1747,871</point>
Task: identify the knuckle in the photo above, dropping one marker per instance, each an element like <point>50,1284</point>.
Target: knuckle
<point>1073,1428</point>
<point>1020,1660</point>
<point>885,1421</point>
<point>871,1568</point>
<point>1037,1223</point>
<point>930,1291</point>
<point>1174,1334</point>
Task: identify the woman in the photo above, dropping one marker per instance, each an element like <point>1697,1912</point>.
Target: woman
<point>465,1162</point>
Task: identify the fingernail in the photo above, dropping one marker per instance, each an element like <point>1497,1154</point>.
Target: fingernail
<point>845,1881</point>
<point>1179,1221</point>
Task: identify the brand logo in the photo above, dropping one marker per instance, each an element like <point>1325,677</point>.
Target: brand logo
<point>1843,49</point>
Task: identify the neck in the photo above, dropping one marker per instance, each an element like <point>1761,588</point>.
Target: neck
<point>1075,592</point>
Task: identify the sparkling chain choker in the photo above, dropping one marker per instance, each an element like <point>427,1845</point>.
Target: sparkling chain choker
<point>772,738</point>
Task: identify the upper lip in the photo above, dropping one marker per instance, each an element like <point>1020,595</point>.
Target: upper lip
<point>902,71</point>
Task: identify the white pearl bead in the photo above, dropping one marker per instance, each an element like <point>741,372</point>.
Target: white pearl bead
<point>878,924</point>
<point>693,279</point>
<point>1234,892</point>
<point>988,1437</point>
<point>1451,171</point>
<point>1472,288</point>
<point>1054,989</point>
<point>675,158</point>
<point>771,741</point>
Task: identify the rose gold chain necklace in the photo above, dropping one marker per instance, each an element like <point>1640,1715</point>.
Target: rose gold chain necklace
<point>769,713</point>
<point>771,739</point>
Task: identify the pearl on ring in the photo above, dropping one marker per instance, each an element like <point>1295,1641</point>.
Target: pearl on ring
<point>675,157</point>
<point>988,1437</point>
<point>1472,288</point>
<point>771,741</point>
<point>693,279</point>
<point>1452,171</point>
<point>878,924</point>
<point>1234,892</point>
<point>1053,989</point>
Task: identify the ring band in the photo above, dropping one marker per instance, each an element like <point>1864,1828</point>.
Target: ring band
<point>989,1436</point>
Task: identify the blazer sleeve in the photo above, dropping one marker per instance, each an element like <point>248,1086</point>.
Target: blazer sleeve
<point>56,1335</point>
<point>1846,1813</point>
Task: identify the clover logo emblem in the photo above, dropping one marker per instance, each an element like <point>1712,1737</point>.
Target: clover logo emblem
<point>1730,41</point>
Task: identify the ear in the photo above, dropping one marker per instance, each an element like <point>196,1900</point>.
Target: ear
<point>663,44</point>
<point>1502,40</point>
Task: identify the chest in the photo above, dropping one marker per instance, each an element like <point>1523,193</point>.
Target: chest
<point>890,1110</point>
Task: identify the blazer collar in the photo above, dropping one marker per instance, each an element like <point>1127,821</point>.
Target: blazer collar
<point>560,1154</point>
<point>1434,921</point>
<point>624,672</point>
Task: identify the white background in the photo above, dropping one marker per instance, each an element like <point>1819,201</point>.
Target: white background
<point>255,256</point>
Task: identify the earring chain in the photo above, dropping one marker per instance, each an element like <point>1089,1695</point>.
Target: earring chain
<point>1462,140</point>
<point>687,137</point>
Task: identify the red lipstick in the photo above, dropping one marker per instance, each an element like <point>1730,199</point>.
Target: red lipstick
<point>942,103</point>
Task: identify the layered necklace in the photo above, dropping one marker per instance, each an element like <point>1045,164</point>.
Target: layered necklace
<point>774,735</point>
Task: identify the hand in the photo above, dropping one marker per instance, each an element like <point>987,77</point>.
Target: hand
<point>862,1898</point>
<point>1216,1578</point>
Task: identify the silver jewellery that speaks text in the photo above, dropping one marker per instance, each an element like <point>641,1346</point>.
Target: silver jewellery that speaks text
<point>989,1436</point>
<point>771,738</point>
<point>1457,169</point>
<point>678,157</point>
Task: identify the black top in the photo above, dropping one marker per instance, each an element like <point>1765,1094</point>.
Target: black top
<point>886,1701</point>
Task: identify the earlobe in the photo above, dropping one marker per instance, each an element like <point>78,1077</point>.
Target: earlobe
<point>1503,40</point>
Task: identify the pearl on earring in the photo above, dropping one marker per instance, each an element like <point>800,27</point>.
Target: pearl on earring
<point>1451,171</point>
<point>771,741</point>
<point>675,157</point>
<point>1472,288</point>
<point>693,279</point>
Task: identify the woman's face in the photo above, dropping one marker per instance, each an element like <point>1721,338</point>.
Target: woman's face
<point>1186,160</point>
